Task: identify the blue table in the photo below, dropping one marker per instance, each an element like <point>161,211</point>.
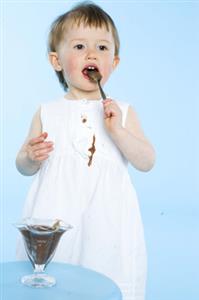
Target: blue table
<point>73,283</point>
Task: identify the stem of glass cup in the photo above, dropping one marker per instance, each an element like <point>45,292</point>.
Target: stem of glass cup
<point>39,268</point>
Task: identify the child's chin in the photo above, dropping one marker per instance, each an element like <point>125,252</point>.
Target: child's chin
<point>89,86</point>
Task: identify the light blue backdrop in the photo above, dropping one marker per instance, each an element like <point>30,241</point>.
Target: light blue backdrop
<point>158,75</point>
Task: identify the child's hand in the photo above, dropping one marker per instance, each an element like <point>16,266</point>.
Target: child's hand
<point>37,149</point>
<point>112,116</point>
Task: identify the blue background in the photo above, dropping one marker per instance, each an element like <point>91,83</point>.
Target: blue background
<point>158,75</point>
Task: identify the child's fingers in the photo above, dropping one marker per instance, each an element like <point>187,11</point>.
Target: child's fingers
<point>38,139</point>
<point>109,112</point>
<point>39,154</point>
<point>40,146</point>
<point>107,102</point>
<point>44,134</point>
<point>42,157</point>
<point>42,152</point>
<point>39,150</point>
<point>43,148</point>
<point>111,109</point>
<point>109,105</point>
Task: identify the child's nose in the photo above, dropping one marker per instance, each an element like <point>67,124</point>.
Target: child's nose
<point>91,54</point>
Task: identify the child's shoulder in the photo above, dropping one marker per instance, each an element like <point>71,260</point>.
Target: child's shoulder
<point>52,105</point>
<point>124,107</point>
<point>122,103</point>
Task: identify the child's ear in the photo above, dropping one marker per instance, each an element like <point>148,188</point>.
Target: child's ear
<point>116,61</point>
<point>54,60</point>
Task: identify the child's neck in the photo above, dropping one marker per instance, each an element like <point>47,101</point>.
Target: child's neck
<point>78,95</point>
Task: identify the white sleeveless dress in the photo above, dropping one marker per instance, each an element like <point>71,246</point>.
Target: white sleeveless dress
<point>85,182</point>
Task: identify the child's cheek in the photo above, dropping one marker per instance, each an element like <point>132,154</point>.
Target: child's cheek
<point>106,73</point>
<point>71,65</point>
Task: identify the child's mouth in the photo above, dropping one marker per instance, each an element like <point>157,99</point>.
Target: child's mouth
<point>87,69</point>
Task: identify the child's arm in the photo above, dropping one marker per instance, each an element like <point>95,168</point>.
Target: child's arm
<point>130,140</point>
<point>34,150</point>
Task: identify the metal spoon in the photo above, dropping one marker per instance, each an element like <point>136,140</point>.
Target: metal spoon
<point>96,77</point>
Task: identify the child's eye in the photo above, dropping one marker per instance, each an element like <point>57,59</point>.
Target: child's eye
<point>79,46</point>
<point>102,47</point>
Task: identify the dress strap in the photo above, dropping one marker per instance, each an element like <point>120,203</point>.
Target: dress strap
<point>124,108</point>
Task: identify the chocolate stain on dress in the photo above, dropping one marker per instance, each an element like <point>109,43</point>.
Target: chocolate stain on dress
<point>92,151</point>
<point>84,118</point>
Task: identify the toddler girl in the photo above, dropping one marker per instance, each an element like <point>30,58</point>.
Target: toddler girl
<point>78,148</point>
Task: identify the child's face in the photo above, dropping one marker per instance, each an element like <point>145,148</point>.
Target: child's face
<point>83,47</point>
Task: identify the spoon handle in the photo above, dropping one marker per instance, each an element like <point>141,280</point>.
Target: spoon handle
<point>101,90</point>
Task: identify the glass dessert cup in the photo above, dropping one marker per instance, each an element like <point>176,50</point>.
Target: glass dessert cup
<point>41,238</point>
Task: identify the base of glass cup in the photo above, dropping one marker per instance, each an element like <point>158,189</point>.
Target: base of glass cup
<point>41,280</point>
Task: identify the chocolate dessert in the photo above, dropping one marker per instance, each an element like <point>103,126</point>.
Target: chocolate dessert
<point>41,242</point>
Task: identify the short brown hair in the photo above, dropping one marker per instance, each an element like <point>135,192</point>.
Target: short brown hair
<point>87,13</point>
